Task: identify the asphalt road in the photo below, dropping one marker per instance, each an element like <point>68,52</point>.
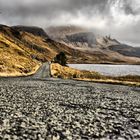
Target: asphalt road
<point>42,72</point>
<point>54,109</point>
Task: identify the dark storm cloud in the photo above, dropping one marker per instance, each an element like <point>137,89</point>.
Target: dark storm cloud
<point>129,8</point>
<point>116,17</point>
<point>50,9</point>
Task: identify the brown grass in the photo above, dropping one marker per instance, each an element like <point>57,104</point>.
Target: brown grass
<point>21,53</point>
<point>14,61</point>
<point>59,71</point>
<point>130,78</point>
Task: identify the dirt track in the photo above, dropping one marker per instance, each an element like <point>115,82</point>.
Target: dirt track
<point>66,109</point>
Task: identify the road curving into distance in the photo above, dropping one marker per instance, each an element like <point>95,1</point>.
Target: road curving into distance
<point>43,71</point>
<point>47,108</point>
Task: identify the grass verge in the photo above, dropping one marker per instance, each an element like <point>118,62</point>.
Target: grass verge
<point>58,71</point>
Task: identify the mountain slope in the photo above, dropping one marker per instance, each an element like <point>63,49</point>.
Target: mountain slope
<point>59,32</point>
<point>13,59</point>
<point>83,39</point>
<point>31,29</point>
<point>126,50</point>
<point>22,52</point>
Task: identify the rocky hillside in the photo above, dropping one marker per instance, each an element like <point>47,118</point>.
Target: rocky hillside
<point>21,53</point>
<point>103,49</point>
<point>23,49</point>
<point>15,59</point>
<point>80,38</point>
<point>37,31</point>
<point>126,50</point>
<point>59,32</point>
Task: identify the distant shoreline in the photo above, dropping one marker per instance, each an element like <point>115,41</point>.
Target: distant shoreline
<point>58,71</point>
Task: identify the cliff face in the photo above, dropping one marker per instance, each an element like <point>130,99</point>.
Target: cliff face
<point>103,49</point>
<point>22,51</point>
<point>81,38</point>
<point>37,31</point>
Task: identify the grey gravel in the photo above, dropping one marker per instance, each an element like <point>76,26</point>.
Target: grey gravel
<point>54,109</point>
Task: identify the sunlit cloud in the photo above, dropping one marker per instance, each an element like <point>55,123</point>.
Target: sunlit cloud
<point>119,18</point>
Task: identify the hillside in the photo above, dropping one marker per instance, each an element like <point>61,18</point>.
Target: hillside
<point>59,32</point>
<point>126,50</point>
<point>79,38</point>
<point>31,29</point>
<point>14,60</point>
<point>82,37</point>
<point>22,51</point>
<point>103,49</point>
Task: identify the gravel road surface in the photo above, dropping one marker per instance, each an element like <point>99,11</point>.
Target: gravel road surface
<point>38,109</point>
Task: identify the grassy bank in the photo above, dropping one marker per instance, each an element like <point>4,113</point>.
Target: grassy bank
<point>14,73</point>
<point>59,71</point>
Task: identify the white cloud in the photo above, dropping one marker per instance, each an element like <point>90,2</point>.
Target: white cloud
<point>120,18</point>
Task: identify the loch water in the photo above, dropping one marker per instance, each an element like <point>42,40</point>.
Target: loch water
<point>107,69</point>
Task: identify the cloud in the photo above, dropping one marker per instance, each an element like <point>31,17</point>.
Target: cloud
<point>49,10</point>
<point>120,18</point>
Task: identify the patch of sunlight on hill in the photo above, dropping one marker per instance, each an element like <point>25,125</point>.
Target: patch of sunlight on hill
<point>14,61</point>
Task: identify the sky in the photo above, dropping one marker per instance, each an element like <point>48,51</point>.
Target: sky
<point>118,18</point>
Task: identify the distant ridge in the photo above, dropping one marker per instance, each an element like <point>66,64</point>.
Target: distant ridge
<point>81,38</point>
<point>61,31</point>
<point>31,29</point>
<point>24,49</point>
